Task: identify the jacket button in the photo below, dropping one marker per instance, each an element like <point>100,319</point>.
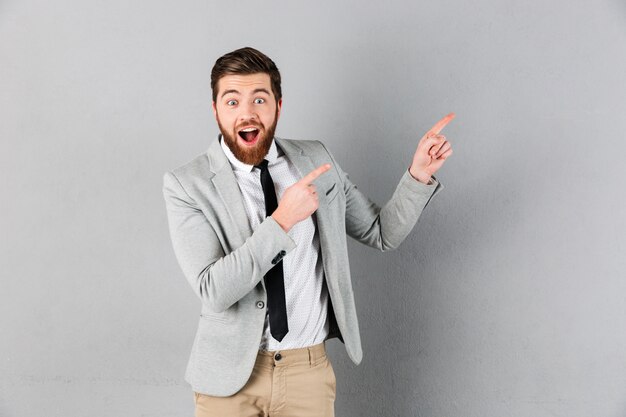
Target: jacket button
<point>260,304</point>
<point>278,257</point>
<point>278,356</point>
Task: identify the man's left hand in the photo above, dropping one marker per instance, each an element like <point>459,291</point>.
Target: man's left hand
<point>432,151</point>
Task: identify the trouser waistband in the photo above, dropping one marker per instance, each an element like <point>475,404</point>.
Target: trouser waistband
<point>311,355</point>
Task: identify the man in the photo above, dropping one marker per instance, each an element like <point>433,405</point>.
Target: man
<point>257,224</point>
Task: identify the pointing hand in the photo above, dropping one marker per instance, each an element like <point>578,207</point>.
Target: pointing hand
<point>299,201</point>
<point>432,151</point>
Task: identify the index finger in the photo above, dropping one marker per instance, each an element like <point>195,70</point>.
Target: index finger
<point>438,127</point>
<point>311,176</point>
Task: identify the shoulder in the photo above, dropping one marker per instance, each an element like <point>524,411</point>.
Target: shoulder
<point>204,165</point>
<point>197,166</point>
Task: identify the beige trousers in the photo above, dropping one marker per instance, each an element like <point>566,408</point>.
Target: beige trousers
<point>294,383</point>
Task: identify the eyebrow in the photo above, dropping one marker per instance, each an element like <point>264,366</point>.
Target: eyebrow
<point>228,92</point>
<point>261,90</point>
<point>258,90</point>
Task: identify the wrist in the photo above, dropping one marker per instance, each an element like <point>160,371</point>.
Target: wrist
<point>282,222</point>
<point>420,176</point>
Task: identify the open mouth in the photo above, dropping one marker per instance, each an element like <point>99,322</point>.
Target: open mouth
<point>249,135</point>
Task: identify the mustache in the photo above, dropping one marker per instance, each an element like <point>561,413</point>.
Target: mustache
<point>254,124</point>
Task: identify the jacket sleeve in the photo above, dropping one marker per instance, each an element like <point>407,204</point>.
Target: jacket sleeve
<point>385,228</point>
<point>219,279</point>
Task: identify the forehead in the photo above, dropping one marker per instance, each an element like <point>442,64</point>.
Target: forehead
<point>244,83</point>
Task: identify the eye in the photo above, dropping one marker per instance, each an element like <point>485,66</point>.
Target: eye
<point>259,100</point>
<point>231,102</point>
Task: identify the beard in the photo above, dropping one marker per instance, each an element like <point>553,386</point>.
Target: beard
<point>251,155</point>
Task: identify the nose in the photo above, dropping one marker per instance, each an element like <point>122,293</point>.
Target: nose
<point>247,114</point>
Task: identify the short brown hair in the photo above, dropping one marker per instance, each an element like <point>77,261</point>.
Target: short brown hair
<point>245,61</point>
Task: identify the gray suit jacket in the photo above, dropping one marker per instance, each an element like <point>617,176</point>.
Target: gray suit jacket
<point>224,260</point>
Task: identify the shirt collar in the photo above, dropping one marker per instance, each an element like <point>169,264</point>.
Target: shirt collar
<point>271,156</point>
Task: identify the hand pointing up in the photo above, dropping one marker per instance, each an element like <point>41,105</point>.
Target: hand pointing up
<point>432,151</point>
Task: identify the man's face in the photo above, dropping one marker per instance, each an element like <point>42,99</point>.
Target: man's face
<point>247,112</point>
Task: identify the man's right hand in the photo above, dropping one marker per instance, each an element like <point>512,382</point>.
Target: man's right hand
<point>299,201</point>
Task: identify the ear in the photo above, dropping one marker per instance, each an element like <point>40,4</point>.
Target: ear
<point>214,109</point>
<point>279,106</point>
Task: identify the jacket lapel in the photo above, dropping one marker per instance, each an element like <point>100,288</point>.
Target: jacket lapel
<point>228,189</point>
<point>295,154</point>
<point>304,164</point>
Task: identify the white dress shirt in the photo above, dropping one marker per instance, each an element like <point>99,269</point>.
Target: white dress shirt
<point>306,294</point>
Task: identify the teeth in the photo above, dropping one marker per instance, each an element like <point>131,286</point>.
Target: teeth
<point>250,129</point>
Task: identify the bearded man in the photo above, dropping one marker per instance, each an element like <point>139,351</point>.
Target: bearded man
<point>259,225</point>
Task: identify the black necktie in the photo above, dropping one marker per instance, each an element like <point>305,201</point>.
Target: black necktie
<point>274,279</point>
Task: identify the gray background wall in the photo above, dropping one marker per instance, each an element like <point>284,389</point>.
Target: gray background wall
<point>507,300</point>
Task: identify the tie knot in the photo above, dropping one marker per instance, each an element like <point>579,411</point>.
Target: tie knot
<point>263,165</point>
